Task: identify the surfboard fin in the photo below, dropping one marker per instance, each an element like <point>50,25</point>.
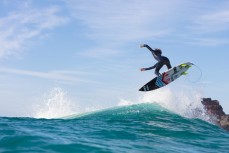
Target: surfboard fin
<point>184,73</point>
<point>186,65</point>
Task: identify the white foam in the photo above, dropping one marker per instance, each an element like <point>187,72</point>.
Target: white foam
<point>54,104</point>
<point>185,101</point>
<point>124,102</point>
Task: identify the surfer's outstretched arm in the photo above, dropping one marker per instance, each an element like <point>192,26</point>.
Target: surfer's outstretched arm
<point>152,51</point>
<point>152,67</point>
<point>147,46</point>
<point>149,68</point>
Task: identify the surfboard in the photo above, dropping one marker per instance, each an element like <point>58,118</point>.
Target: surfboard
<point>166,77</point>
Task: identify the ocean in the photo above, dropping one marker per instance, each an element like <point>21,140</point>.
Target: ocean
<point>138,128</point>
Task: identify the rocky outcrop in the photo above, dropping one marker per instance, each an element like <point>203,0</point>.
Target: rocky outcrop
<point>215,111</point>
<point>224,122</point>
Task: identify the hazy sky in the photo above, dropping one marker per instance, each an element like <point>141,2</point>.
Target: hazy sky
<point>90,49</point>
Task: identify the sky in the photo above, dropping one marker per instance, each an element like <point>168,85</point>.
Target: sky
<point>90,51</point>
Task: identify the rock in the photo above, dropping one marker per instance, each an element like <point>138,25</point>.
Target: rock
<point>215,111</point>
<point>224,122</point>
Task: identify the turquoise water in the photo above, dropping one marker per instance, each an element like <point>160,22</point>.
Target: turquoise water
<point>135,128</point>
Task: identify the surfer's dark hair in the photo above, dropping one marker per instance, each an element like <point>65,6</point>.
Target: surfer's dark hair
<point>158,51</point>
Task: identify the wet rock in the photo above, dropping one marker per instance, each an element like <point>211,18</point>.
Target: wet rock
<point>224,122</point>
<point>215,111</point>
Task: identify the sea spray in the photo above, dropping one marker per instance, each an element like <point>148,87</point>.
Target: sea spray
<point>185,101</point>
<point>54,104</point>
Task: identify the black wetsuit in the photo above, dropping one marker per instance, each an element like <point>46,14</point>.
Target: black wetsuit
<point>162,60</point>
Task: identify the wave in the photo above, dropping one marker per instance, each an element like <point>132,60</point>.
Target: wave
<point>148,112</point>
<point>131,111</point>
<point>140,127</point>
<point>56,103</point>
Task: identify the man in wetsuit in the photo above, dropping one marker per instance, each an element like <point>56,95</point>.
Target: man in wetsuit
<point>162,60</point>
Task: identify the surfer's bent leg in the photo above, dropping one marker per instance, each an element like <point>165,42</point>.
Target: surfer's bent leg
<point>167,63</point>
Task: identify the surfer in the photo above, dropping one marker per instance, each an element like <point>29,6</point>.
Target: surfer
<point>162,60</point>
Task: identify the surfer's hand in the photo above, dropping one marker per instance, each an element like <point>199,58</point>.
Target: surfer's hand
<point>142,69</point>
<point>142,45</point>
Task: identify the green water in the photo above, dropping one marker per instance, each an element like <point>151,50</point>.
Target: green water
<point>136,128</point>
